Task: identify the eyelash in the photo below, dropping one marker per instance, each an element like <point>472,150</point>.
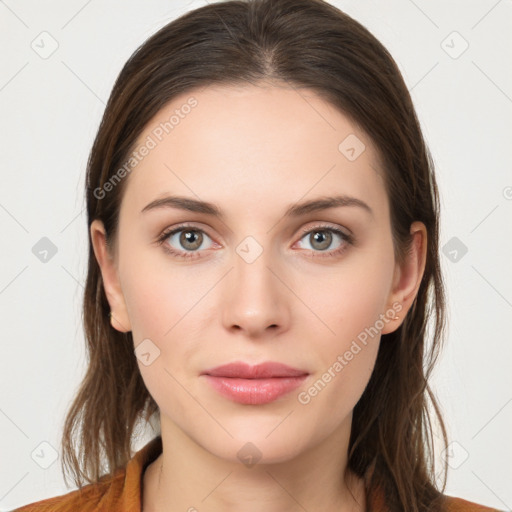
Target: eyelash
<point>348,239</point>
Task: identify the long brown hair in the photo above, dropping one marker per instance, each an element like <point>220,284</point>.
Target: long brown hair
<point>306,44</point>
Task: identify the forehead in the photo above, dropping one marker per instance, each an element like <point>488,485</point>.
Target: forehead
<point>262,142</point>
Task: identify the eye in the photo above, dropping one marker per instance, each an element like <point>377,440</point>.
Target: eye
<point>189,240</point>
<point>321,238</point>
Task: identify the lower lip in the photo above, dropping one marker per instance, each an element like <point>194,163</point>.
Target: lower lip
<point>255,391</point>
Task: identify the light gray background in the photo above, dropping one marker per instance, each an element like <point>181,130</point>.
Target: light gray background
<point>50,111</point>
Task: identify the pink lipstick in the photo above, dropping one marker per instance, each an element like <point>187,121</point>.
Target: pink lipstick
<point>254,385</point>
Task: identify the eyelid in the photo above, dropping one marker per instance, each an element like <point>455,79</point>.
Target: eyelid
<point>327,226</point>
<point>167,232</point>
<point>348,239</point>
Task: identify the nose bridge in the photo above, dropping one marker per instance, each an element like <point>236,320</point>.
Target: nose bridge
<point>255,298</point>
<point>252,261</point>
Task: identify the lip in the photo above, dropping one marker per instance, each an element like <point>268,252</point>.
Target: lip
<point>254,385</point>
<point>242,370</point>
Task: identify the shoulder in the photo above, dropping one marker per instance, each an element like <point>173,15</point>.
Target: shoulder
<point>120,492</point>
<point>454,504</point>
<point>92,497</point>
<point>444,503</point>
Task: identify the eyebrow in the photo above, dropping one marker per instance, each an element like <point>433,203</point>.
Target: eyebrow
<point>296,210</point>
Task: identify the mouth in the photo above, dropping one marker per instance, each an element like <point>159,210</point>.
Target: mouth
<point>254,385</point>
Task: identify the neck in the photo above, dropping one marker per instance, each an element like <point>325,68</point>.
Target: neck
<point>188,478</point>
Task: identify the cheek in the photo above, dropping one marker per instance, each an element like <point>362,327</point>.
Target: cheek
<point>162,311</point>
<point>347,355</point>
<point>158,295</point>
<point>349,304</point>
<point>351,297</point>
<point>164,308</point>
<point>151,307</point>
<point>333,393</point>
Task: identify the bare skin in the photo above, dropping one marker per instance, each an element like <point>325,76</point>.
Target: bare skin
<point>254,152</point>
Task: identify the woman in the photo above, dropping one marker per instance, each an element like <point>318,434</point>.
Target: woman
<point>263,266</point>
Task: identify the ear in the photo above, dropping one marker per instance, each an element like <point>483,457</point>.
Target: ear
<point>119,317</point>
<point>407,278</point>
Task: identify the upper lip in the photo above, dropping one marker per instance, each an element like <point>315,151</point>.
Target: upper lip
<point>260,371</point>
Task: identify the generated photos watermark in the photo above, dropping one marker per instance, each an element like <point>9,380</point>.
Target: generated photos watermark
<point>305,397</point>
<point>150,143</point>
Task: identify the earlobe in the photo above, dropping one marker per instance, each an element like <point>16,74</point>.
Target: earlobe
<point>407,277</point>
<point>118,315</point>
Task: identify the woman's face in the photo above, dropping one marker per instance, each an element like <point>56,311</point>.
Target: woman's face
<point>256,283</point>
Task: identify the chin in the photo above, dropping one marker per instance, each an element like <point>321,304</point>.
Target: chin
<point>253,444</point>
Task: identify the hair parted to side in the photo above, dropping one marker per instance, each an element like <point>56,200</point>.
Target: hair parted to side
<point>302,44</point>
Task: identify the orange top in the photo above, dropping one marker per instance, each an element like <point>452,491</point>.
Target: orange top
<point>123,493</point>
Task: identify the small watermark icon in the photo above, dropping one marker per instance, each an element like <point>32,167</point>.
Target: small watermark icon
<point>150,143</point>
<point>249,249</point>
<point>351,147</point>
<point>455,455</point>
<point>147,352</point>
<point>249,454</point>
<point>44,455</point>
<point>44,249</point>
<point>454,249</point>
<point>44,44</point>
<point>454,45</point>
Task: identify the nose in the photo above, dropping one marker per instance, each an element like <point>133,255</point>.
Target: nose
<point>255,296</point>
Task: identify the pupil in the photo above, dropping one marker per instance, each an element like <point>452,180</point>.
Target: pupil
<point>190,237</point>
<point>321,237</point>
